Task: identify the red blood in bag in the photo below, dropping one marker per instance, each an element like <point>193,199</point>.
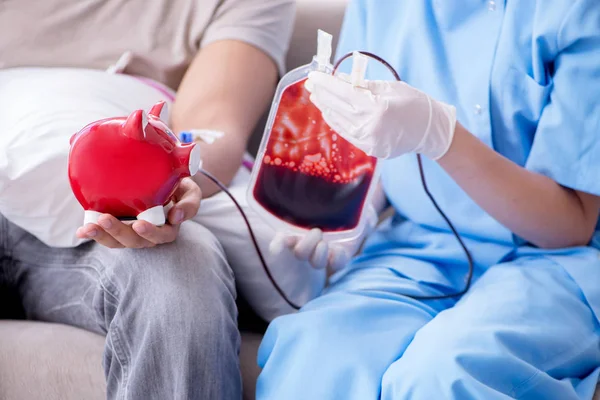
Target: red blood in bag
<point>310,176</point>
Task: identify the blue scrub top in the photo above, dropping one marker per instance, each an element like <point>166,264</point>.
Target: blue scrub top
<point>525,78</point>
<point>523,75</point>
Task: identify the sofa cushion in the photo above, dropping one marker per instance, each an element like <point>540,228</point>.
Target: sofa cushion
<point>58,362</point>
<point>39,360</point>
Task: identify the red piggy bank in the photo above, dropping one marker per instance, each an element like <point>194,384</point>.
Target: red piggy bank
<point>129,167</point>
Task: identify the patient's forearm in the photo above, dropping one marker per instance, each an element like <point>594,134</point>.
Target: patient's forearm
<point>228,87</point>
<point>222,159</point>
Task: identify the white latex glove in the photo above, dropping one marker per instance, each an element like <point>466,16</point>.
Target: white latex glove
<point>320,254</point>
<point>385,119</point>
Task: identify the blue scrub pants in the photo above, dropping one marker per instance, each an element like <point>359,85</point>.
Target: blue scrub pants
<point>525,330</point>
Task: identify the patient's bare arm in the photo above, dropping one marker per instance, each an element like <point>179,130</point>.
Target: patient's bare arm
<point>228,87</point>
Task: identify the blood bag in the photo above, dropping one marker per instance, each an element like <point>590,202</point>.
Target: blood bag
<point>307,176</point>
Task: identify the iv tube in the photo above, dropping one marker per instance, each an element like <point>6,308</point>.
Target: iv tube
<point>469,277</point>
<point>357,77</point>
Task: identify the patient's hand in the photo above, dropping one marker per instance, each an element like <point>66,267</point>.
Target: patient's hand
<point>111,232</point>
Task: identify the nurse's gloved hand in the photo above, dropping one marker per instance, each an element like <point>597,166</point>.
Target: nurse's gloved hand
<point>320,254</point>
<point>313,249</point>
<point>385,119</point>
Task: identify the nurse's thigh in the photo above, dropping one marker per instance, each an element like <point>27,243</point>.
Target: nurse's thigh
<point>340,344</point>
<point>523,331</point>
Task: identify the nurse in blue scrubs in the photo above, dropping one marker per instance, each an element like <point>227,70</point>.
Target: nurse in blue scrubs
<point>502,101</point>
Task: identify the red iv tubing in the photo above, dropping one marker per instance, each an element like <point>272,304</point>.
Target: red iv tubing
<point>469,276</point>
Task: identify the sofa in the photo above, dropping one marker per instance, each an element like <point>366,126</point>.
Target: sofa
<point>56,362</point>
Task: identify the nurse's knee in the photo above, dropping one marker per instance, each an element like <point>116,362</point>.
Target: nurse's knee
<point>443,361</point>
<point>316,330</point>
<point>291,334</point>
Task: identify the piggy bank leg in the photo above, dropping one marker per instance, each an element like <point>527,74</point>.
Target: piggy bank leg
<point>91,217</point>
<point>154,215</point>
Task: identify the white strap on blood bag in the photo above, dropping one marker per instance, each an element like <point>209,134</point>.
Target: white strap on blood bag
<point>324,49</point>
<point>359,69</point>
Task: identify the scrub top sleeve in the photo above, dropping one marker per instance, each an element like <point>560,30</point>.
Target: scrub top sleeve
<point>566,146</point>
<point>353,32</point>
<point>266,25</point>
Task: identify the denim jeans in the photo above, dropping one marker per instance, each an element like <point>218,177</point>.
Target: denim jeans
<point>168,313</point>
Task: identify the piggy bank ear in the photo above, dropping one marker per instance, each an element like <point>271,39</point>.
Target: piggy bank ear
<point>135,126</point>
<point>160,111</point>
